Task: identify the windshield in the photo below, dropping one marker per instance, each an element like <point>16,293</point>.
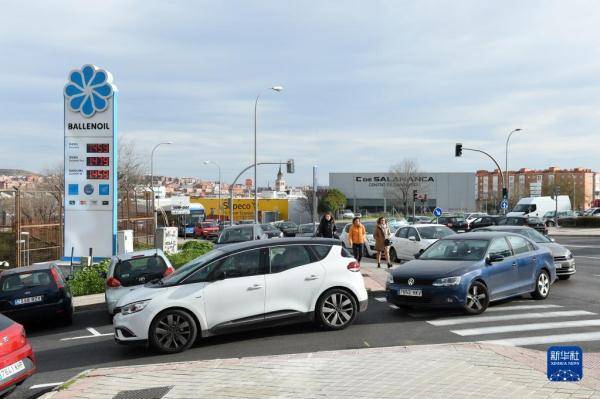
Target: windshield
<point>434,232</point>
<point>236,234</point>
<point>192,265</point>
<point>512,221</point>
<point>369,227</point>
<point>287,225</point>
<point>307,228</point>
<point>457,249</point>
<point>268,227</point>
<point>525,208</point>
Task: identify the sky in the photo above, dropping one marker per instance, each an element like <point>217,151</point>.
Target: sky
<point>366,83</point>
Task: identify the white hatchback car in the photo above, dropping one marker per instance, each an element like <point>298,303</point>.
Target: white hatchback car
<point>410,240</point>
<point>245,286</point>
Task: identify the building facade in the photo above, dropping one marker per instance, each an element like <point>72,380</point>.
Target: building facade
<point>377,192</point>
<point>580,184</point>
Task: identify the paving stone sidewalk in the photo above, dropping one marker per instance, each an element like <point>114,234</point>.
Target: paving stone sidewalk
<point>434,371</point>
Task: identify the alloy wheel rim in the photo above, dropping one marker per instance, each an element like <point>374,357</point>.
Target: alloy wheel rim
<point>173,331</point>
<point>543,284</point>
<point>337,309</point>
<point>476,299</point>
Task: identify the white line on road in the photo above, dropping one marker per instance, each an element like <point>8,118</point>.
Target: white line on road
<point>518,316</point>
<point>380,299</point>
<point>521,307</point>
<point>582,246</point>
<point>588,257</point>
<point>527,327</point>
<point>93,331</point>
<point>394,307</point>
<point>547,339</point>
<point>48,385</point>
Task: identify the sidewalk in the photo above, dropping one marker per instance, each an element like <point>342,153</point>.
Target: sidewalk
<point>85,301</point>
<point>432,371</point>
<point>571,231</point>
<point>375,279</point>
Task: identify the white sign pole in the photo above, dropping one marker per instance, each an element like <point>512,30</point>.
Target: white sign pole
<point>90,163</point>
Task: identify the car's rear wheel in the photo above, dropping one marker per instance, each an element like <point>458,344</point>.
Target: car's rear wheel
<point>568,276</point>
<point>172,331</point>
<point>393,255</point>
<point>542,286</point>
<point>336,309</point>
<point>478,298</point>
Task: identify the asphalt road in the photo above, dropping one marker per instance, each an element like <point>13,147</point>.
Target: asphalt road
<point>62,352</point>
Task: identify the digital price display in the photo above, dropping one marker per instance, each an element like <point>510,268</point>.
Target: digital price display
<point>95,148</point>
<point>98,161</point>
<point>98,174</point>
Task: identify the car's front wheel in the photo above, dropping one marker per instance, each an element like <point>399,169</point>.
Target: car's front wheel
<point>542,286</point>
<point>478,298</point>
<point>336,309</point>
<point>172,331</point>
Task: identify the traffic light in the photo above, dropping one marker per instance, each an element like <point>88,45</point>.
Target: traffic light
<point>458,150</point>
<point>290,166</point>
<point>504,193</point>
<point>415,195</point>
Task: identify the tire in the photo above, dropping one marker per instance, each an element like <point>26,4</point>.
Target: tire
<point>550,224</point>
<point>336,309</point>
<point>172,331</point>
<point>568,276</point>
<point>542,286</point>
<point>393,255</point>
<point>478,298</point>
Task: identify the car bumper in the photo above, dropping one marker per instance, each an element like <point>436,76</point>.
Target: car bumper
<point>362,305</point>
<point>438,297</point>
<point>565,267</point>
<point>26,355</point>
<point>132,329</point>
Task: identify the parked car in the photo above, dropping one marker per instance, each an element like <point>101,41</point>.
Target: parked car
<point>206,230</point>
<point>533,222</point>
<point>347,214</point>
<point>369,248</point>
<point>551,217</point>
<point>456,223</point>
<point>409,241</point>
<point>307,230</point>
<point>241,233</point>
<point>538,206</point>
<point>484,221</point>
<point>271,231</point>
<point>289,229</point>
<point>246,221</point>
<point>132,270</point>
<point>17,361</point>
<point>418,220</point>
<point>395,224</point>
<point>592,212</point>
<point>564,261</point>
<point>245,286</point>
<point>340,226</point>
<point>37,292</point>
<point>475,215</point>
<point>471,270</point>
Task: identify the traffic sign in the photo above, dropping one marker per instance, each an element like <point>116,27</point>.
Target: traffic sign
<point>504,204</point>
<point>437,212</point>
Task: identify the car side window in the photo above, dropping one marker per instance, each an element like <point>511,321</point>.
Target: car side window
<point>402,233</point>
<point>500,247</point>
<point>203,274</point>
<point>518,244</point>
<point>412,232</point>
<point>243,264</point>
<point>321,251</point>
<point>287,257</point>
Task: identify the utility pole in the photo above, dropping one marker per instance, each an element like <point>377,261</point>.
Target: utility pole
<point>314,198</point>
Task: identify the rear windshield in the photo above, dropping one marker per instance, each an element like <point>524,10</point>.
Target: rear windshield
<point>434,232</point>
<point>139,270</point>
<point>370,228</point>
<point>208,224</point>
<point>236,234</point>
<point>16,282</point>
<point>307,228</point>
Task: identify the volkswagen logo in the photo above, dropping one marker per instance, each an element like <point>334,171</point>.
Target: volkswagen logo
<point>411,281</point>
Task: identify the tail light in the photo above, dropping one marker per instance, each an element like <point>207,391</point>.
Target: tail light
<point>168,271</point>
<point>56,278</point>
<point>354,266</point>
<point>113,282</point>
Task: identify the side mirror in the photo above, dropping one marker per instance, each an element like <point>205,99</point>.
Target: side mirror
<point>418,254</point>
<point>493,258</point>
<point>412,238</point>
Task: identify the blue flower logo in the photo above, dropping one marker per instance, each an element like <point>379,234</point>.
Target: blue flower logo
<point>88,90</point>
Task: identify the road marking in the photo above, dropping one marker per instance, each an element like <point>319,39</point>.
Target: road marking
<point>518,316</point>
<point>380,299</point>
<point>526,327</point>
<point>366,344</point>
<point>394,307</point>
<point>521,307</point>
<point>581,246</point>
<point>546,339</point>
<point>587,257</point>
<point>95,333</point>
<point>48,385</point>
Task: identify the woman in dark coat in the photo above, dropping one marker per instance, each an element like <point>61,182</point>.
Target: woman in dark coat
<point>327,227</point>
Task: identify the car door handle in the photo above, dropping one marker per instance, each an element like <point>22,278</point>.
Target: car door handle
<point>534,259</point>
<point>312,277</point>
<point>255,287</point>
<point>514,265</point>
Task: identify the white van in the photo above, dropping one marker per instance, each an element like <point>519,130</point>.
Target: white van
<point>538,206</point>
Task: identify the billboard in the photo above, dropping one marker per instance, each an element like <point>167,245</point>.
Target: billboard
<point>243,208</point>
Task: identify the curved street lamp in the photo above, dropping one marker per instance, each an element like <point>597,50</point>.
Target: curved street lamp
<point>506,161</point>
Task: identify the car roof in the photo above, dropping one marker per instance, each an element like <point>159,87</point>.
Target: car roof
<point>25,269</point>
<point>480,235</point>
<point>505,227</point>
<point>146,252</point>
<point>424,225</point>
<point>240,246</point>
<point>241,226</point>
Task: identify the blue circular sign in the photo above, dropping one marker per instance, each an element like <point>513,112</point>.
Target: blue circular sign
<point>437,212</point>
<point>504,204</point>
<point>88,189</point>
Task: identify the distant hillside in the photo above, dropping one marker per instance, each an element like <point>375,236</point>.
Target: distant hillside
<point>16,172</point>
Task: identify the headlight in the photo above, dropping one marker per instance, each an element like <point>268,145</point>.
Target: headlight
<point>569,254</point>
<point>390,278</point>
<point>444,282</point>
<point>134,307</point>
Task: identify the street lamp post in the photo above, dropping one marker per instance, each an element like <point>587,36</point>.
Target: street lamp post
<point>152,181</point>
<point>276,89</point>
<point>219,195</point>
<point>506,162</point>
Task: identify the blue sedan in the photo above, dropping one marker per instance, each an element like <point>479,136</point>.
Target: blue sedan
<point>471,270</point>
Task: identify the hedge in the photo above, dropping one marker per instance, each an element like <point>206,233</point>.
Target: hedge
<point>189,251</point>
<point>584,221</point>
<point>88,280</point>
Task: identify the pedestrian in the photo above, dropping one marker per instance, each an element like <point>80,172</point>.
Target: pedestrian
<point>327,228</point>
<point>382,241</point>
<point>357,235</point>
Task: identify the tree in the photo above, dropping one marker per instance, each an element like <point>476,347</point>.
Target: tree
<point>565,186</point>
<point>402,180</point>
<point>333,201</point>
<point>307,203</point>
<point>132,165</point>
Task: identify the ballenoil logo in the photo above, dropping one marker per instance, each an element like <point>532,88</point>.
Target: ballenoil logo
<point>88,90</point>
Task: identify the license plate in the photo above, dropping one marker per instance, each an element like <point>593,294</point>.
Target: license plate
<point>31,299</point>
<point>12,369</point>
<point>407,292</point>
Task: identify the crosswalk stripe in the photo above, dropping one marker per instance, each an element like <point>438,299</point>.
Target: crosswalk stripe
<point>518,316</point>
<point>380,299</point>
<point>547,339</point>
<point>526,327</point>
<point>521,307</point>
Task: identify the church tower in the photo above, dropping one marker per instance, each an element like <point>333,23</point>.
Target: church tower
<point>279,182</point>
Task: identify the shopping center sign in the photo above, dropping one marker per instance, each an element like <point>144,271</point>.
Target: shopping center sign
<point>90,163</point>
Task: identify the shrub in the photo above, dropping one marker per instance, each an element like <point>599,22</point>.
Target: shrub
<point>584,221</point>
<point>189,251</point>
<point>197,245</point>
<point>88,280</point>
<point>141,246</point>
